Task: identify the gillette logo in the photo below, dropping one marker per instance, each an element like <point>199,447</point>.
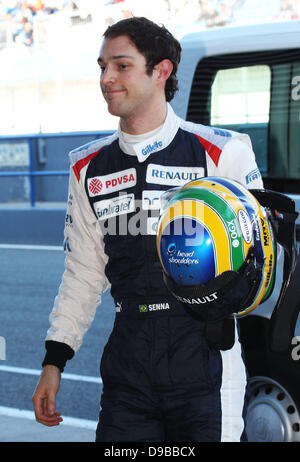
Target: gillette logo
<point>151,147</point>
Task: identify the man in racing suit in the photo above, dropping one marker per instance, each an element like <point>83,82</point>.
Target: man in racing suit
<point>161,379</point>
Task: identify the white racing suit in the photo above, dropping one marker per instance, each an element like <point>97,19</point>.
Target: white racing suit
<point>161,380</point>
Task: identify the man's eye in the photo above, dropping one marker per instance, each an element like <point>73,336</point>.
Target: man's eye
<point>123,66</point>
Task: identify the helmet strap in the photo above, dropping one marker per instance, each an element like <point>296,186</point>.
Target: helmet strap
<point>221,297</point>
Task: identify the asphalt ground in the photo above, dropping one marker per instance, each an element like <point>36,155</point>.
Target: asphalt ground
<point>29,280</point>
<point>24,429</point>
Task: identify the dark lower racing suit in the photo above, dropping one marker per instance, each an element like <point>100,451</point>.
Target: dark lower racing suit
<point>156,389</point>
<point>161,380</point>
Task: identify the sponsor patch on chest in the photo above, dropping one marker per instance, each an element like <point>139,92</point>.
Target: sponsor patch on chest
<point>172,175</point>
<point>151,199</point>
<point>100,185</point>
<point>115,206</point>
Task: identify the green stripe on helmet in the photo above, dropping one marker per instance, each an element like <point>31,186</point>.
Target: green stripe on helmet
<point>226,214</point>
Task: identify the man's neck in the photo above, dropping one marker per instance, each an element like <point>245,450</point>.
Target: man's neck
<point>139,124</point>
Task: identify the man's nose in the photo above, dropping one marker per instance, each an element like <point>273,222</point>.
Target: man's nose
<point>108,76</point>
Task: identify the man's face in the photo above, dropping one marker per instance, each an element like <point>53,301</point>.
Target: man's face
<point>125,85</point>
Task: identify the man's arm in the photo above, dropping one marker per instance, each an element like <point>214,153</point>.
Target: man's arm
<point>79,294</point>
<point>84,278</point>
<point>237,162</point>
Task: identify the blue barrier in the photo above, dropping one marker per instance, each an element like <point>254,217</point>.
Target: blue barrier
<point>31,175</point>
<point>82,138</point>
<point>43,173</point>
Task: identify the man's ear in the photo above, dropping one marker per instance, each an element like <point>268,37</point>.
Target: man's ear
<point>164,69</point>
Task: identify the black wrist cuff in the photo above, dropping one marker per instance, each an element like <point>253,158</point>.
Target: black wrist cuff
<point>57,354</point>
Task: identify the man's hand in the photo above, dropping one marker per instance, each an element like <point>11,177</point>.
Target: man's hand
<point>44,397</point>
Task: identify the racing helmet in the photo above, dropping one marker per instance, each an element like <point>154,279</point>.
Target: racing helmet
<point>216,246</point>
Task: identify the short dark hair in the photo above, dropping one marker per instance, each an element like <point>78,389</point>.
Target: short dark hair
<point>154,42</point>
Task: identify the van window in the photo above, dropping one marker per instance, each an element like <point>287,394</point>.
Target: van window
<point>241,96</point>
<point>258,94</point>
<point>240,100</point>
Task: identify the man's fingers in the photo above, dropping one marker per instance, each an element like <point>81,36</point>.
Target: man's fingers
<point>44,417</point>
<point>45,411</point>
<point>56,419</point>
<point>50,421</point>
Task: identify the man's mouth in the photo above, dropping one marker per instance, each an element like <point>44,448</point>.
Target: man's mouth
<point>113,91</point>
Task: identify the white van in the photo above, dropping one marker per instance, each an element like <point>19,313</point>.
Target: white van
<point>248,79</point>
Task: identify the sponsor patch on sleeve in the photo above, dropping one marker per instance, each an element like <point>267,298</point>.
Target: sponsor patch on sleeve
<point>252,176</point>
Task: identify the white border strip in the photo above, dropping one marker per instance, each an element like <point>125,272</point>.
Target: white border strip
<point>30,247</point>
<point>26,371</point>
<point>71,421</point>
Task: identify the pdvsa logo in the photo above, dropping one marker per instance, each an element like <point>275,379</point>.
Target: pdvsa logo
<point>113,182</point>
<point>95,186</point>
